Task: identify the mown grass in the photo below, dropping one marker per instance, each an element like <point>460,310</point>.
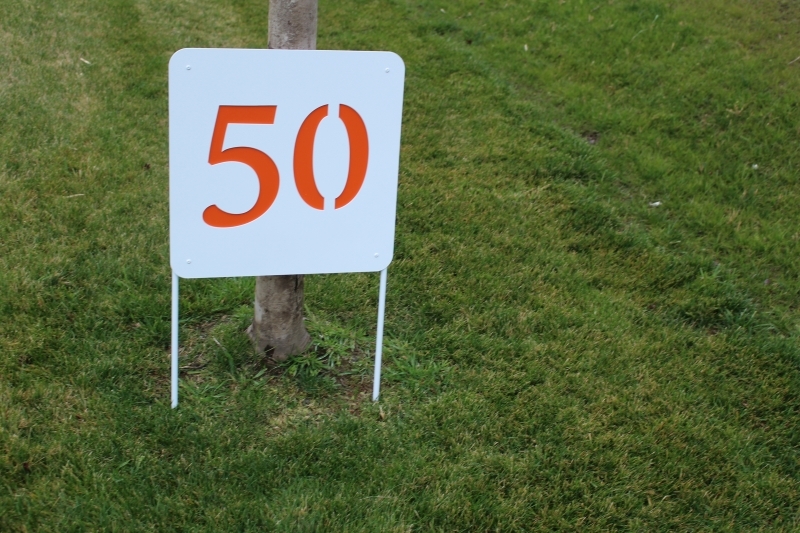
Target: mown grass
<point>560,354</point>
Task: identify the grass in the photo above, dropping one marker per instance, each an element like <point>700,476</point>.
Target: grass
<point>560,355</point>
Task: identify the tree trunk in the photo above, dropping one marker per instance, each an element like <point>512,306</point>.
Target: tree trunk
<point>293,24</point>
<point>278,319</point>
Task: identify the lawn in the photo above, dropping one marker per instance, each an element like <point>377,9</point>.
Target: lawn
<point>592,314</point>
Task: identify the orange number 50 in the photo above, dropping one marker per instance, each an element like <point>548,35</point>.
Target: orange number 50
<point>267,171</point>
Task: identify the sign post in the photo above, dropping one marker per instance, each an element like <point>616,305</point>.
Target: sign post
<point>175,345</point>
<point>265,140</point>
<point>376,383</point>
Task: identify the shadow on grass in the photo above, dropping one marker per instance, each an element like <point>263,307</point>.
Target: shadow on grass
<point>338,362</point>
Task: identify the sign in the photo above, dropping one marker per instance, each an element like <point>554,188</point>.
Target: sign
<point>283,161</point>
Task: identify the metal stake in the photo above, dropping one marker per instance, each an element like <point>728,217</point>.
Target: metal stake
<point>376,385</point>
<point>174,340</point>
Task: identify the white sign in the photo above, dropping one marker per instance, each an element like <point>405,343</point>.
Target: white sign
<point>283,161</point>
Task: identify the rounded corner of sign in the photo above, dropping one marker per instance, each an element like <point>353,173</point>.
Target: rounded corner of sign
<point>396,57</point>
<point>179,271</point>
<point>385,263</point>
<point>177,56</point>
<point>177,53</point>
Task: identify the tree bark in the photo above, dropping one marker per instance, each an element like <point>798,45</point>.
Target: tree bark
<point>293,24</point>
<point>277,326</point>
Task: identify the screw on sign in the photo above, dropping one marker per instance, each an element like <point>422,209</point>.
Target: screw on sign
<point>260,112</point>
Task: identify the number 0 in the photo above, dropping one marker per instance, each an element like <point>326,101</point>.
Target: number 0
<point>304,156</point>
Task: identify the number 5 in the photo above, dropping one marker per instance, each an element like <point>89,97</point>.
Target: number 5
<point>261,163</point>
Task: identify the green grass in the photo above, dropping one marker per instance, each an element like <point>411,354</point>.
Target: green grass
<point>560,355</point>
